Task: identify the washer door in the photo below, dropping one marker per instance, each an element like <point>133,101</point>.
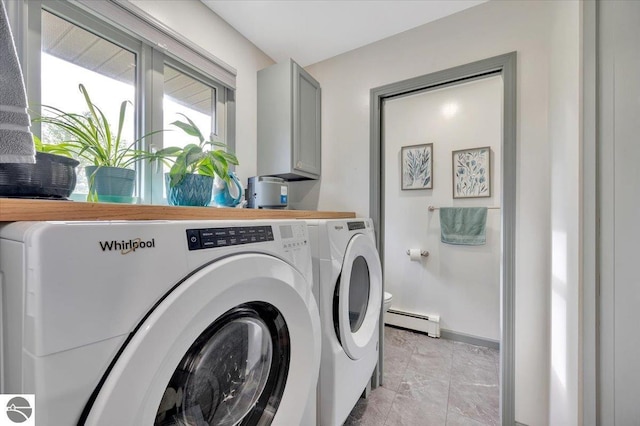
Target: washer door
<point>359,297</point>
<point>233,372</point>
<point>236,343</point>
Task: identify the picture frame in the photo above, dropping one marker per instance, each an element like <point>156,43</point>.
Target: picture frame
<point>471,172</point>
<point>416,167</point>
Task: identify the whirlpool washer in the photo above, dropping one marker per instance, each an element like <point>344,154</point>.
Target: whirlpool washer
<point>160,323</point>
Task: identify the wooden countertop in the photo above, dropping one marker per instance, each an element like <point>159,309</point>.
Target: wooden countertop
<point>14,209</point>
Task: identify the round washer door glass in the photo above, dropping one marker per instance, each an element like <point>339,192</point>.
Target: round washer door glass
<point>229,374</point>
<point>359,287</point>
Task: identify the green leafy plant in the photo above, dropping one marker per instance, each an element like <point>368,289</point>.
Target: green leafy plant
<point>52,148</point>
<point>91,137</point>
<point>207,157</point>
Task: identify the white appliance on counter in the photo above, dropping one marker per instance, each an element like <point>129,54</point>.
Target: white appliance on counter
<point>267,192</point>
<point>160,322</point>
<point>348,287</point>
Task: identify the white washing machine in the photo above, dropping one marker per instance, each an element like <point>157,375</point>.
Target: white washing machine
<point>160,323</point>
<point>348,288</point>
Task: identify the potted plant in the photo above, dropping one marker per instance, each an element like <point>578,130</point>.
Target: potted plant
<point>53,175</point>
<point>90,137</point>
<point>193,167</point>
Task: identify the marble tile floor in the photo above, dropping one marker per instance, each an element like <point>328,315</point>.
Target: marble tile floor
<point>432,382</point>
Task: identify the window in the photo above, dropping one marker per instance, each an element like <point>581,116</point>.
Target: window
<point>120,54</point>
<point>71,55</point>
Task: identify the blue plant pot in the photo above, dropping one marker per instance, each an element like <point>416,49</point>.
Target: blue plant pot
<point>194,190</point>
<point>112,184</point>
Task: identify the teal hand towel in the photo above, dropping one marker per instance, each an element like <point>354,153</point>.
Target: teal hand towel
<point>463,225</point>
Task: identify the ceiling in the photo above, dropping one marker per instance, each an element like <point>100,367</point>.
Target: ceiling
<point>311,31</point>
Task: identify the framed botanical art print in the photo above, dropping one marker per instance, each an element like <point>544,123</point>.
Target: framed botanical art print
<point>472,173</point>
<point>417,166</point>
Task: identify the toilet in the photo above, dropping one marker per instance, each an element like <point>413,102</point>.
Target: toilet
<point>388,298</point>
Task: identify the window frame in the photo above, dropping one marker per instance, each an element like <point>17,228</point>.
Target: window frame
<point>154,46</point>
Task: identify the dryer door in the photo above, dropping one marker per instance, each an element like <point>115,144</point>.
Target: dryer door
<point>236,343</point>
<point>359,297</point>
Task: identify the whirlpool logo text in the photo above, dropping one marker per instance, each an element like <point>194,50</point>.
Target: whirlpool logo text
<point>127,247</point>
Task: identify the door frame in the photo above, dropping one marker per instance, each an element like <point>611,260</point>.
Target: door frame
<point>506,66</point>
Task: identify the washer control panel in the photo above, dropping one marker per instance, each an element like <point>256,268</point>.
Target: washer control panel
<point>225,237</point>
<point>294,236</point>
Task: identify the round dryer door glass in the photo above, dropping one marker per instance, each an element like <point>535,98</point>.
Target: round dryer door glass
<point>226,377</point>
<point>359,288</point>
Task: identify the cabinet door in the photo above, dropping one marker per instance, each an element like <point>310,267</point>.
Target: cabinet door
<point>306,122</point>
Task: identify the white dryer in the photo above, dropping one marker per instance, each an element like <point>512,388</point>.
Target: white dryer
<point>160,323</point>
<point>348,288</point>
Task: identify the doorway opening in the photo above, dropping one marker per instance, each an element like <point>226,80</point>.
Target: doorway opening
<point>503,66</point>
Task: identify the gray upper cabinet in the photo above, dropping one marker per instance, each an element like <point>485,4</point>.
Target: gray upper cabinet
<point>288,122</point>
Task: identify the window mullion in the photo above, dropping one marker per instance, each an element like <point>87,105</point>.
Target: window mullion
<point>221,116</point>
<point>155,74</point>
<point>229,108</point>
<point>144,124</point>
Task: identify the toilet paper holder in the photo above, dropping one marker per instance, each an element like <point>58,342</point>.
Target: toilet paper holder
<point>423,253</point>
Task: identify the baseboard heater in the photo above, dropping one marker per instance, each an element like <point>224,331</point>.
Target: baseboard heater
<point>429,324</point>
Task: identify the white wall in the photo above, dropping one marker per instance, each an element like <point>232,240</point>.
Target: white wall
<point>483,31</point>
<point>198,23</point>
<point>564,139</point>
<point>459,283</point>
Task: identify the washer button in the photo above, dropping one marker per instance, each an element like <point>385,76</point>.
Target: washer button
<point>193,239</point>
